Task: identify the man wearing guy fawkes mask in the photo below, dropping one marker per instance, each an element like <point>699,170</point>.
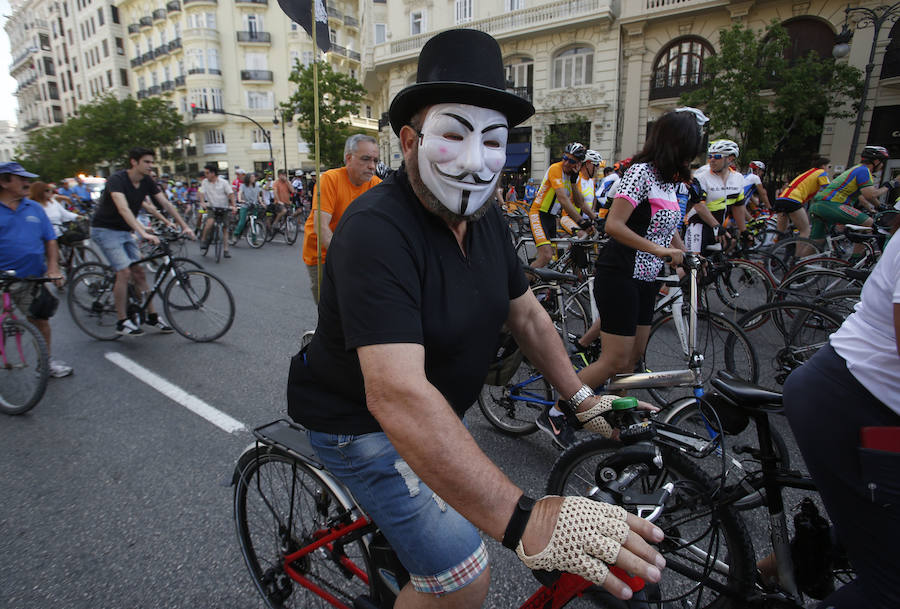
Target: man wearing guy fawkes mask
<point>421,276</point>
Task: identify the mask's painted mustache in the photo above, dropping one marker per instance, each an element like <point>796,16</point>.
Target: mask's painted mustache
<point>462,175</point>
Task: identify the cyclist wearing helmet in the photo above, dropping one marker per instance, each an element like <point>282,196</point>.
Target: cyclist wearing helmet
<point>530,191</point>
<point>834,204</point>
<point>557,193</point>
<point>724,188</point>
<point>588,188</point>
<point>753,184</point>
<point>800,190</point>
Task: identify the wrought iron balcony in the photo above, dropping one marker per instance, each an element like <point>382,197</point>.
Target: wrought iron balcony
<point>186,2</point>
<point>196,71</point>
<point>254,37</point>
<point>174,44</point>
<point>351,21</point>
<point>524,92</point>
<point>173,7</point>
<point>134,28</point>
<point>354,55</point>
<point>266,2</point>
<point>257,75</point>
<point>142,93</point>
<point>167,85</point>
<point>136,62</point>
<point>179,81</point>
<point>146,57</point>
<point>334,13</point>
<point>161,50</point>
<point>159,14</point>
<point>146,21</point>
<point>154,90</point>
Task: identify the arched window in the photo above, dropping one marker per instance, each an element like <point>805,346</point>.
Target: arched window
<point>520,75</point>
<point>808,34</point>
<point>890,65</point>
<point>573,67</point>
<point>679,67</point>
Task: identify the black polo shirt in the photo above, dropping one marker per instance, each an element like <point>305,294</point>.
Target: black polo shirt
<point>396,274</point>
<point>107,214</point>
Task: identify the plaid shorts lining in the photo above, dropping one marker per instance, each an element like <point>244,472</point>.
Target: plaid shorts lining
<point>453,578</point>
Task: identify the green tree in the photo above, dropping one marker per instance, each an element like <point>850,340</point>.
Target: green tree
<point>339,97</point>
<point>806,91</point>
<point>102,133</point>
<point>565,129</point>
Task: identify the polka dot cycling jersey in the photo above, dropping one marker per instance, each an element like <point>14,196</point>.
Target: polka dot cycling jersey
<point>655,217</point>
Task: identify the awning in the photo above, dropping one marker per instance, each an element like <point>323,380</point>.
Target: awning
<point>517,154</point>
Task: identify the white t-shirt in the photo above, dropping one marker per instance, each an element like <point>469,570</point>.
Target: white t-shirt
<point>57,215</point>
<point>867,339</point>
<point>216,193</point>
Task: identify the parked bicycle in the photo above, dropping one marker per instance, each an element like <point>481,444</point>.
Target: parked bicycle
<point>24,358</point>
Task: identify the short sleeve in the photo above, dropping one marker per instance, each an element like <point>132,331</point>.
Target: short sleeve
<point>379,297</point>
<point>635,184</point>
<point>555,177</point>
<point>152,188</point>
<point>228,189</point>
<point>823,180</point>
<point>329,194</point>
<point>115,183</point>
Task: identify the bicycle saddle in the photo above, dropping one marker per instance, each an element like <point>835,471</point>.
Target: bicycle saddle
<point>747,395</point>
<point>548,275</point>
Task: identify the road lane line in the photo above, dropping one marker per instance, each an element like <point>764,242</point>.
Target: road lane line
<point>177,394</point>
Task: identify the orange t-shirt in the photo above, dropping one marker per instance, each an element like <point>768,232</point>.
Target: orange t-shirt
<point>282,192</point>
<point>337,195</point>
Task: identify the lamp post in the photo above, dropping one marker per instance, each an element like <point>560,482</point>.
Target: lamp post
<point>195,111</point>
<point>875,17</point>
<point>280,111</point>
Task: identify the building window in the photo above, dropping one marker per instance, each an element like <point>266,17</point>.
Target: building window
<point>215,136</point>
<point>307,58</point>
<point>353,73</point>
<point>100,16</point>
<point>254,23</point>
<point>217,99</point>
<point>105,48</point>
<point>520,76</point>
<point>109,81</point>
<point>890,65</point>
<point>514,5</point>
<point>368,111</point>
<point>573,67</point>
<point>380,33</point>
<point>123,77</point>
<point>416,22</point>
<point>332,35</point>
<point>260,136</point>
<point>259,100</point>
<point>679,67</point>
<point>212,59</point>
<point>463,11</point>
<point>114,12</point>
<point>120,47</point>
<point>211,20</point>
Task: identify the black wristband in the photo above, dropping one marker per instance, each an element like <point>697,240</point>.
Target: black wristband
<point>517,522</point>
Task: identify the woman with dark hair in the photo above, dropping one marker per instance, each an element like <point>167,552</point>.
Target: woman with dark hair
<point>642,222</point>
<point>248,194</point>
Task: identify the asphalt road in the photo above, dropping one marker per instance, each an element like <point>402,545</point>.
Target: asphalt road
<point>113,495</point>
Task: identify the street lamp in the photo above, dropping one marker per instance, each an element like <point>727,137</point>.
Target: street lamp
<point>281,111</point>
<point>195,111</point>
<point>876,17</point>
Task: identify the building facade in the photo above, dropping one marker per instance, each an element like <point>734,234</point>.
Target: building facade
<point>10,138</point>
<point>233,56</point>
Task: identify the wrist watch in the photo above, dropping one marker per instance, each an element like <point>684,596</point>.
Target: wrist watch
<point>580,396</point>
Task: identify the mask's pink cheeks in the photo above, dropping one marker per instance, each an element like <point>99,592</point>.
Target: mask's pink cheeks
<point>494,160</point>
<point>437,151</point>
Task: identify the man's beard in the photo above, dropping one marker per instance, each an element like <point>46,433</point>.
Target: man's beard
<point>432,203</point>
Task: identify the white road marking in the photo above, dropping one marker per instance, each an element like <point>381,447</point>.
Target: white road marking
<point>177,394</point>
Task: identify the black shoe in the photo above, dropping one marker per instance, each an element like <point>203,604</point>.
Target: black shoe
<point>557,427</point>
<point>227,254</point>
<point>591,352</point>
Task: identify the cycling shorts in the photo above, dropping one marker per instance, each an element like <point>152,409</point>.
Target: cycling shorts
<point>624,303</point>
<point>823,215</point>
<point>543,227</point>
<point>786,206</point>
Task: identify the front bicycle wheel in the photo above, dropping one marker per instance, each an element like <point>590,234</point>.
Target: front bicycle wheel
<point>720,341</point>
<point>24,366</point>
<point>198,305</point>
<point>742,285</point>
<point>280,506</point>
<point>789,252</point>
<point>256,234</point>
<point>704,539</point>
<point>291,230</point>
<point>91,301</point>
<point>512,408</point>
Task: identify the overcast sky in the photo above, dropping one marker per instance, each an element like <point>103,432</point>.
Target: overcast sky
<point>7,82</point>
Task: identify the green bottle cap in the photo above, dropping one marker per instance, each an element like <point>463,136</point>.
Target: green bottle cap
<point>626,403</point>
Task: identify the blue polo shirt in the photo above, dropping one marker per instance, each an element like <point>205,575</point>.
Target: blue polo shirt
<point>23,234</point>
<point>81,192</point>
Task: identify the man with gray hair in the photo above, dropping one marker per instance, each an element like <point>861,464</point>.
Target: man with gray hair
<point>339,187</point>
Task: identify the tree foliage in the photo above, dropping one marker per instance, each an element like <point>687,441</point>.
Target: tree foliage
<point>103,132</point>
<point>805,90</point>
<point>564,129</point>
<point>339,97</point>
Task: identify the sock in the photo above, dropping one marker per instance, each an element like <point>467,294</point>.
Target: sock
<point>152,318</point>
<point>555,412</point>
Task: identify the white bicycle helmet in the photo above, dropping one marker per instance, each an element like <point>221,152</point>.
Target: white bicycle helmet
<point>593,156</point>
<point>725,147</point>
<point>757,165</point>
<point>577,150</point>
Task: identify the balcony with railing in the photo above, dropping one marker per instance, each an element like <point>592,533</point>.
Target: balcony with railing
<point>167,85</point>
<point>254,37</point>
<point>159,14</point>
<point>523,92</point>
<point>146,22</point>
<point>257,75</point>
<point>161,50</point>
<point>265,2</point>
<point>180,82</point>
<point>147,57</point>
<point>134,28</point>
<point>154,90</point>
<point>186,2</point>
<point>173,7</point>
<point>335,13</point>
<point>174,45</point>
<point>635,10</point>
<point>351,21</point>
<point>32,124</point>
<point>142,94</point>
<point>338,50</point>
<point>546,17</point>
<point>192,71</point>
<point>19,60</point>
<point>200,33</point>
<point>136,62</point>
<point>215,71</point>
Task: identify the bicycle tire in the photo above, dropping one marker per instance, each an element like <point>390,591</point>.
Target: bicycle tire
<point>841,302</point>
<point>722,342</point>
<point>25,368</point>
<point>690,514</point>
<point>742,285</point>
<point>810,285</point>
<point>198,305</point>
<point>81,254</point>
<point>177,262</point>
<point>510,416</point>
<point>824,262</point>
<point>271,230</point>
<point>91,302</point>
<point>291,230</point>
<point>256,234</point>
<point>281,505</point>
<point>577,319</point>
<point>790,332</point>
<point>687,415</point>
<point>786,252</point>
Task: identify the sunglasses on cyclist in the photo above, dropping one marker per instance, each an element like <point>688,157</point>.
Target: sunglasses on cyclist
<point>570,160</point>
<point>715,156</point>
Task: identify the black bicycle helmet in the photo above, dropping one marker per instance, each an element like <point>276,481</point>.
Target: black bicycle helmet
<point>576,150</point>
<point>874,153</point>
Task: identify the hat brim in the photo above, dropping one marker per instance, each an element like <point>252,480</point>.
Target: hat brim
<point>23,174</point>
<point>415,97</point>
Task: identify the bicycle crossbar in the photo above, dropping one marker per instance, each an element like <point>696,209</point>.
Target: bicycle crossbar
<point>644,380</point>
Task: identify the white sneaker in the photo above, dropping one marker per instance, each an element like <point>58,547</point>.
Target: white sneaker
<point>127,327</point>
<point>59,368</point>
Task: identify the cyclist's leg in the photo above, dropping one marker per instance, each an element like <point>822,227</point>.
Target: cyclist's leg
<point>822,399</point>
<point>115,247</point>
<point>538,223</point>
<point>442,551</point>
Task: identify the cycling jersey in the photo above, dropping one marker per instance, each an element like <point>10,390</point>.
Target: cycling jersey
<point>721,193</point>
<point>751,180</point>
<point>607,186</point>
<point>586,185</point>
<point>845,188</point>
<point>805,186</point>
<point>530,193</point>
<point>554,179</point>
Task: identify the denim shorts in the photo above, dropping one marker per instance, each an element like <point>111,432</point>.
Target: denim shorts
<point>441,550</point>
<point>119,246</point>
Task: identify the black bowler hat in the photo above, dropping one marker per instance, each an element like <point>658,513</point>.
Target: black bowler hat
<point>461,66</point>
